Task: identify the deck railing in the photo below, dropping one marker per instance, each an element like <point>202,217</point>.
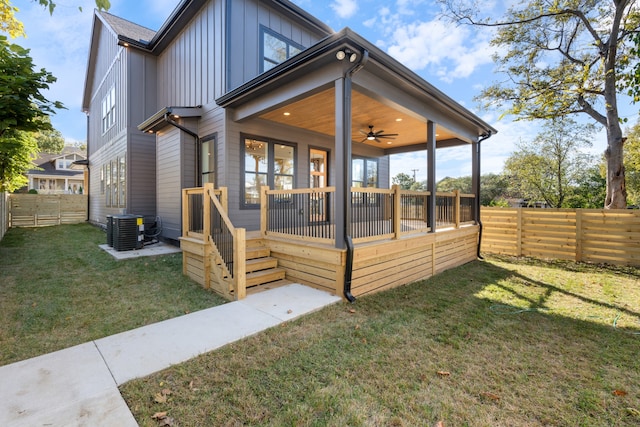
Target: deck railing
<point>205,218</point>
<point>376,214</point>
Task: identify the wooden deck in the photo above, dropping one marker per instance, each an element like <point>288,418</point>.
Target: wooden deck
<point>397,251</point>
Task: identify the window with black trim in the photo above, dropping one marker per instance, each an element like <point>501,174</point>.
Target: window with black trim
<point>266,163</point>
<point>109,109</point>
<point>364,172</point>
<point>208,159</point>
<point>275,48</point>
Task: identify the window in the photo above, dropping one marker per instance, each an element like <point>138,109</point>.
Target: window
<point>109,109</point>
<point>63,164</point>
<point>364,172</point>
<point>276,49</point>
<point>208,159</point>
<point>113,182</point>
<point>266,162</point>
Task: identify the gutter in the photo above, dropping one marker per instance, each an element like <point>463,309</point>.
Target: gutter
<point>478,205</point>
<point>167,118</point>
<point>348,271</point>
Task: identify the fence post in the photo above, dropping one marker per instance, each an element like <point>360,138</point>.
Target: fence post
<point>519,233</point>
<point>240,263</point>
<point>457,207</point>
<point>224,199</point>
<point>185,213</point>
<point>207,193</point>
<point>264,210</point>
<point>578,235</point>
<point>397,224</point>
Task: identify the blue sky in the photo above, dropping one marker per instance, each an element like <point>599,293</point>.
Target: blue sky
<point>455,59</point>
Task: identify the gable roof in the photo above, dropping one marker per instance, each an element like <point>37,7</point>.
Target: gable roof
<point>46,164</point>
<point>128,29</point>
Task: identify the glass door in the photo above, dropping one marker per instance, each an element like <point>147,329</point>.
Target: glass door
<point>319,176</point>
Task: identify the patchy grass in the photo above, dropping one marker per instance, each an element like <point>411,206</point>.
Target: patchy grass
<point>497,342</point>
<point>59,289</point>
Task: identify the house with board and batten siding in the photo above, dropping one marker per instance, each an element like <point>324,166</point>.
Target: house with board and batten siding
<point>254,115</point>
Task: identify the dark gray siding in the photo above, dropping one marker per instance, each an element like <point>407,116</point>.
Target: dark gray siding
<point>175,160</point>
<point>245,19</point>
<point>190,70</point>
<point>168,160</point>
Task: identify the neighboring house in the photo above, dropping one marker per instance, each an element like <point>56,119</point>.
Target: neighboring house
<point>249,94</point>
<point>57,174</point>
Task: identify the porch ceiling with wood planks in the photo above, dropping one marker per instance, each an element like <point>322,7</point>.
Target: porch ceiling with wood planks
<point>317,113</point>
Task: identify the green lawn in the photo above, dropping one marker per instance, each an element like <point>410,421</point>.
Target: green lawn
<point>501,342</point>
<point>59,289</point>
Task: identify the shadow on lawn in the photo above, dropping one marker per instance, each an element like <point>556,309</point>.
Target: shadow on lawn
<point>417,355</point>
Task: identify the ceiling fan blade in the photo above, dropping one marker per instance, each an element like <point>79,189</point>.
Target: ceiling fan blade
<point>364,140</point>
<point>363,132</point>
<point>387,135</point>
<point>378,132</point>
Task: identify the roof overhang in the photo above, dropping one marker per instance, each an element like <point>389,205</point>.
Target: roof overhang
<point>160,119</point>
<point>384,80</point>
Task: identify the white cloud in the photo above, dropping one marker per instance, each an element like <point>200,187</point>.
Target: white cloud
<point>449,52</point>
<point>345,8</point>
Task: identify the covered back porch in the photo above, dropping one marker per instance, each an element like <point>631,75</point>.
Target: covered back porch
<point>392,243</point>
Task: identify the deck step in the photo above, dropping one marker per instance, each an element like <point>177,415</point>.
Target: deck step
<point>265,276</point>
<point>257,252</point>
<point>257,264</point>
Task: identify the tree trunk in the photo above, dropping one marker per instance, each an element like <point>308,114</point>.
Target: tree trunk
<point>616,190</point>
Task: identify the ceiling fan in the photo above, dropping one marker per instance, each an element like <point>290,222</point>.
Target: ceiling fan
<point>373,136</point>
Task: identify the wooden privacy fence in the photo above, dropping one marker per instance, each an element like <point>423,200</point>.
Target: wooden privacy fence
<point>36,210</point>
<point>4,214</point>
<point>590,235</point>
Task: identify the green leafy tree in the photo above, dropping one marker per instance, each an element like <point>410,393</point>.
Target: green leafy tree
<point>17,150</point>
<point>563,58</point>
<point>632,162</point>
<point>590,189</point>
<point>51,140</point>
<point>23,111</point>
<point>493,189</point>
<point>403,180</point>
<point>548,167</point>
<point>449,184</point>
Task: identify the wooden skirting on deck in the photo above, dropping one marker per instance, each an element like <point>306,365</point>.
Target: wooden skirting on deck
<point>377,266</point>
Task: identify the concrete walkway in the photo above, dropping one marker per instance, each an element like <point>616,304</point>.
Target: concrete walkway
<point>78,386</point>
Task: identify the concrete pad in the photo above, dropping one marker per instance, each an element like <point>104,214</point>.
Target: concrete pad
<point>149,349</point>
<point>70,387</point>
<point>290,301</point>
<point>154,249</point>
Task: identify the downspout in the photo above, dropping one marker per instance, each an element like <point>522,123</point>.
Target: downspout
<point>348,271</point>
<point>167,118</point>
<point>478,203</point>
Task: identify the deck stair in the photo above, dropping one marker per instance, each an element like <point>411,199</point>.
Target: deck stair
<point>261,268</point>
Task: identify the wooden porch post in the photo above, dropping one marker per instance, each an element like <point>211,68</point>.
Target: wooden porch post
<point>206,205</point>
<point>264,206</point>
<point>431,175</point>
<point>397,220</point>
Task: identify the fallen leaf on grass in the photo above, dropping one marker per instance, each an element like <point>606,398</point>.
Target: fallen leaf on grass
<point>443,373</point>
<point>490,395</point>
<point>619,393</point>
<point>633,412</point>
<point>357,327</point>
<point>163,419</point>
<point>162,396</point>
<point>440,424</point>
<point>351,310</point>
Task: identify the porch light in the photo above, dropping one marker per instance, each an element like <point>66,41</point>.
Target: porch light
<point>341,54</point>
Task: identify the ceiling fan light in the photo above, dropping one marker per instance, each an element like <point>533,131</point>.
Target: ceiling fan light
<point>371,137</point>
